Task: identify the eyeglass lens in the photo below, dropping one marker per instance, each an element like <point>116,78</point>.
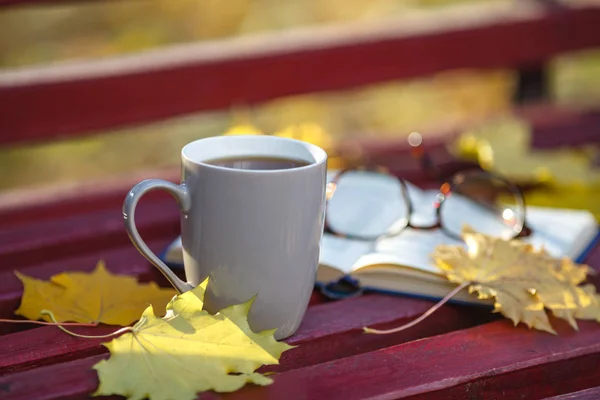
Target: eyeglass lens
<point>486,203</point>
<point>368,204</point>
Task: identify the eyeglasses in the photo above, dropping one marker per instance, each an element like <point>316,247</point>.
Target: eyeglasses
<point>369,203</point>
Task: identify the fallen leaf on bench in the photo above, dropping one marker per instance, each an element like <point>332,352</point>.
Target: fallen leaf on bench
<point>90,297</point>
<point>187,351</point>
<point>523,281</point>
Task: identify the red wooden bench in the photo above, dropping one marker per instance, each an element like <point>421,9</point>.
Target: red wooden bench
<point>459,353</point>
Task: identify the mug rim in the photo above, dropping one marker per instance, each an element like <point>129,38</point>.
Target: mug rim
<point>319,154</point>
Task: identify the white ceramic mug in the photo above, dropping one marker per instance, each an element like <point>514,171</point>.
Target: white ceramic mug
<point>252,232</point>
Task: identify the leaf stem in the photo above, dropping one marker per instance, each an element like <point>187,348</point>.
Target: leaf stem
<point>55,323</point>
<point>423,316</point>
<point>62,328</point>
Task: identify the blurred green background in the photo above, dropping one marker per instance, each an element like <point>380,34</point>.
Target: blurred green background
<point>87,30</point>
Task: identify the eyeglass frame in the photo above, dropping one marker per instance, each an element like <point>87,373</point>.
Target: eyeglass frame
<point>446,187</point>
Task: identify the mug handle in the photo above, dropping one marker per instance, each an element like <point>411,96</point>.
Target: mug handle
<point>181,194</point>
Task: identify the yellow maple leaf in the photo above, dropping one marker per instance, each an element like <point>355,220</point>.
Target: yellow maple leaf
<point>242,129</point>
<point>523,281</point>
<point>187,351</point>
<point>308,132</point>
<point>96,297</point>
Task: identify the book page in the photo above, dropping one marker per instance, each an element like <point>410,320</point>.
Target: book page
<point>412,247</point>
<point>343,253</point>
<point>366,204</point>
<point>561,232</point>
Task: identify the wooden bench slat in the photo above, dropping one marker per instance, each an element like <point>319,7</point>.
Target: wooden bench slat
<point>35,346</point>
<point>19,208</point>
<point>587,394</point>
<point>450,366</point>
<point>328,331</point>
<point>490,360</point>
<point>505,357</point>
<point>64,200</point>
<point>50,346</point>
<point>552,126</point>
<point>124,260</point>
<point>54,239</point>
<point>471,362</point>
<point>142,88</point>
<point>558,377</point>
<point>561,126</point>
<point>67,381</point>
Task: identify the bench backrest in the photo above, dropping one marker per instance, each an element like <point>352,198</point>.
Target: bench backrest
<point>51,102</point>
<point>78,98</point>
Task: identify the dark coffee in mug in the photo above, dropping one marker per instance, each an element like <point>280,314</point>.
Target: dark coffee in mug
<point>258,163</point>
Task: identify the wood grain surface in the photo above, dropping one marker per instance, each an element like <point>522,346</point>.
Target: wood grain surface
<point>460,352</point>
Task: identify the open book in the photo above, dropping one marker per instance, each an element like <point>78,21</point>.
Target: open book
<point>402,264</point>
